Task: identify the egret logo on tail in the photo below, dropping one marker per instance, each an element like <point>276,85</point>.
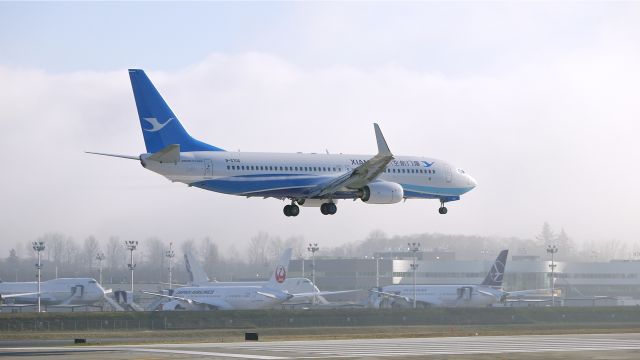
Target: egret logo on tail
<point>281,274</point>
<point>157,126</point>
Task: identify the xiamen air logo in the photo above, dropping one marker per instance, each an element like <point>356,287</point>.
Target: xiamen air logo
<point>497,271</point>
<point>156,126</point>
<point>428,164</point>
<point>281,274</point>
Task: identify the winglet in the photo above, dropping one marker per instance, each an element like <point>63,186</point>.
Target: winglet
<point>383,148</point>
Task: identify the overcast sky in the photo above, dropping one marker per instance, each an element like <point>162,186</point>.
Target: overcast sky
<point>537,101</point>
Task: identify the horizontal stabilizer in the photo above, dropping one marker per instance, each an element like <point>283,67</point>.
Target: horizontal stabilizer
<point>114,155</point>
<point>169,154</point>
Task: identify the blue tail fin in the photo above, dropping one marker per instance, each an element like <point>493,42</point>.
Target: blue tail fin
<point>495,275</point>
<point>160,127</point>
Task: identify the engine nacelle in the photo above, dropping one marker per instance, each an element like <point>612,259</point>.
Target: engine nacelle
<point>382,192</point>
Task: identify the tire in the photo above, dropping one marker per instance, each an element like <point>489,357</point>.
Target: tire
<point>287,210</point>
<point>294,210</point>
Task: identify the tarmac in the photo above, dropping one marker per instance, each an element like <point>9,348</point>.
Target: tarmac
<point>594,346</point>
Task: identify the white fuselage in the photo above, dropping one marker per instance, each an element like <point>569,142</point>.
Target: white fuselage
<point>263,174</point>
<point>225,298</point>
<point>438,295</point>
<point>71,291</point>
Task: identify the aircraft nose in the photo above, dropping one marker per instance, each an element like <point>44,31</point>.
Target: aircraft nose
<point>472,181</point>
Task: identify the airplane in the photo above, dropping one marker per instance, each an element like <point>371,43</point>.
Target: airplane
<point>198,277</point>
<point>487,293</point>
<point>241,296</point>
<point>55,292</point>
<point>309,180</point>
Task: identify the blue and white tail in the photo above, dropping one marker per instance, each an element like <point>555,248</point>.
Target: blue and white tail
<point>160,127</point>
<point>496,274</point>
<point>282,267</point>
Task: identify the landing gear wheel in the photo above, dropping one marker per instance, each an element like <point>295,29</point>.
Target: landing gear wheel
<point>332,208</point>
<point>328,208</point>
<point>291,210</point>
<point>442,210</point>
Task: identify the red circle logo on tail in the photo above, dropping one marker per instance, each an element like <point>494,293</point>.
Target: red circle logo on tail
<point>281,274</point>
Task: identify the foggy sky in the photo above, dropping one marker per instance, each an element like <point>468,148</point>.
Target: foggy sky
<point>538,102</point>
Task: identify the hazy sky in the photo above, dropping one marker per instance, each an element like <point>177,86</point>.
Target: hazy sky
<point>537,101</point>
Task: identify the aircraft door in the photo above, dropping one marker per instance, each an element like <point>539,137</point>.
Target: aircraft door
<point>447,173</point>
<point>208,168</point>
<point>464,293</point>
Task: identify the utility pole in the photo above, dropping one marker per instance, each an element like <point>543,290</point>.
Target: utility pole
<point>100,256</point>
<point>170,254</point>
<point>313,248</point>
<point>552,249</point>
<point>131,246</point>
<point>38,246</point>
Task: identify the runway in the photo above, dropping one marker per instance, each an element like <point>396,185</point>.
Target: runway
<point>623,346</point>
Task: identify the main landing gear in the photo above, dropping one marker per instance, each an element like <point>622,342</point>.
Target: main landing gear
<point>328,208</point>
<point>443,209</point>
<point>291,210</point>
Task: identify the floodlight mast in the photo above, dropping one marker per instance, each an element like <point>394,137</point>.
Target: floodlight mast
<point>414,248</point>
<point>100,256</point>
<point>552,249</point>
<point>312,248</point>
<point>131,246</point>
<point>38,246</point>
<point>170,254</point>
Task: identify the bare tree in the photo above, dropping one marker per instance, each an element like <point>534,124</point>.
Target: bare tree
<point>90,248</point>
<point>257,250</point>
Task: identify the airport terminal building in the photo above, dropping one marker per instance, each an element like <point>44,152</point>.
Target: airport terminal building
<point>616,278</point>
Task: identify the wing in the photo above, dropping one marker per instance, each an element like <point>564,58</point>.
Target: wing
<point>360,176</point>
<point>218,303</point>
<point>321,293</point>
<point>8,296</point>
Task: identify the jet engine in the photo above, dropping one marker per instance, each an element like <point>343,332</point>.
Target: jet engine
<point>382,192</point>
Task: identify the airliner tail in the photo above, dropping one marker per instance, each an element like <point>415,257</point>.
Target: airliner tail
<point>496,274</point>
<point>160,127</point>
<point>282,267</point>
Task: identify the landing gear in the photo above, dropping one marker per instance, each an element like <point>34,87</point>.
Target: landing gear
<point>328,208</point>
<point>443,209</point>
<point>291,210</point>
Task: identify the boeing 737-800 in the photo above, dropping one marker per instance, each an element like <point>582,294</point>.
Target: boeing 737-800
<point>318,180</point>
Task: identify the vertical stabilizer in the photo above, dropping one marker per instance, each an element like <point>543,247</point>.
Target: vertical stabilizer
<point>197,276</point>
<point>282,267</point>
<point>160,126</point>
<point>495,275</point>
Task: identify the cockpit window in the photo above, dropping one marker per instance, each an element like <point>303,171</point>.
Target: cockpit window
<point>461,171</point>
<point>92,281</point>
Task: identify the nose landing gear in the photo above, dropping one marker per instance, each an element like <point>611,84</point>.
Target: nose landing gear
<point>442,210</point>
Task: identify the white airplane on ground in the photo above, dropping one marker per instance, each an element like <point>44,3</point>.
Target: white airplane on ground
<point>56,292</point>
<point>317,180</point>
<point>487,293</point>
<point>198,277</point>
<point>235,296</point>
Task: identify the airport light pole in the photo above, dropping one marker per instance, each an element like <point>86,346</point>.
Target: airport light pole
<point>552,249</point>
<point>313,248</point>
<point>170,254</point>
<point>131,246</point>
<point>414,248</point>
<point>100,256</point>
<point>38,246</point>
<point>378,258</point>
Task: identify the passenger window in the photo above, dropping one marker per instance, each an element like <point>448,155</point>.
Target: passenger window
<point>227,167</point>
<point>242,167</point>
<point>296,168</point>
<point>280,168</point>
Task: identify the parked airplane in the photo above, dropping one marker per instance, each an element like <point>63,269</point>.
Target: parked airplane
<point>316,180</point>
<point>198,277</point>
<point>487,293</point>
<point>234,297</point>
<point>58,292</point>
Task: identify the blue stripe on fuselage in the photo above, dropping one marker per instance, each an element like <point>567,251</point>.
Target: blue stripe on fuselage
<point>278,185</point>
